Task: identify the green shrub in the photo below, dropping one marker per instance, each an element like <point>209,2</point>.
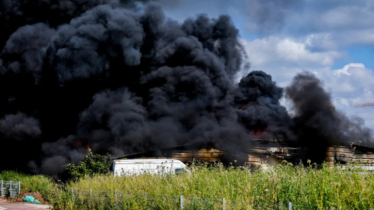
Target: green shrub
<point>90,165</point>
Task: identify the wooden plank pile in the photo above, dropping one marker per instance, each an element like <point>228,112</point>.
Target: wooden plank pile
<point>346,154</point>
<point>363,157</point>
<point>253,157</point>
<point>260,154</point>
<point>208,155</point>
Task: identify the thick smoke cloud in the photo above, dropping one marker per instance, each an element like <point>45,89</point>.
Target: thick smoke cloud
<point>23,52</point>
<point>117,78</point>
<point>15,14</point>
<point>317,123</point>
<point>88,46</point>
<point>17,126</point>
<point>257,98</point>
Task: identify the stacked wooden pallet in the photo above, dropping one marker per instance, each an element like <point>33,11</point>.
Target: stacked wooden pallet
<point>263,155</point>
<point>338,153</point>
<point>257,156</point>
<point>363,157</point>
<point>211,155</point>
<point>254,160</point>
<point>208,155</point>
<point>346,154</point>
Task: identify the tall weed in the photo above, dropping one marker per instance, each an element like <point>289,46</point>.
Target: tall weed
<point>305,186</point>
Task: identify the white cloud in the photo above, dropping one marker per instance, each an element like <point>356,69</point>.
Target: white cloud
<point>335,40</point>
<point>283,58</point>
<point>286,50</point>
<point>353,82</point>
<point>342,24</point>
<point>328,24</point>
<point>346,16</point>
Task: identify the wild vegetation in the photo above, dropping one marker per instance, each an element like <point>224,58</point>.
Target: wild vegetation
<point>90,165</point>
<point>31,183</point>
<point>305,186</point>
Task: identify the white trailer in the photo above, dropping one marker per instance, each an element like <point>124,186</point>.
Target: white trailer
<point>151,166</point>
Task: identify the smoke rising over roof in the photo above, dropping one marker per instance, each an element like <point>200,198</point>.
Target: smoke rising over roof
<point>115,78</point>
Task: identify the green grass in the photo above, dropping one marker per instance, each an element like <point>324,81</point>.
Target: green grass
<point>306,187</point>
<point>204,188</point>
<point>30,183</point>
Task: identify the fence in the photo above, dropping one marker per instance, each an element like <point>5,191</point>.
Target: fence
<point>10,188</point>
<point>90,199</point>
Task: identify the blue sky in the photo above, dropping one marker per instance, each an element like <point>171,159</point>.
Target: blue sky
<point>334,39</point>
<point>357,54</point>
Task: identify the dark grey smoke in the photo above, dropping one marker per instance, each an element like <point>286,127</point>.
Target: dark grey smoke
<point>178,80</point>
<point>18,133</point>
<point>122,78</point>
<point>317,123</point>
<point>257,98</point>
<point>18,13</point>
<point>19,126</point>
<point>84,48</point>
<point>23,52</point>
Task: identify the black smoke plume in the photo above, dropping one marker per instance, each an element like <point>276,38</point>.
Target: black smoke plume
<point>317,124</point>
<point>120,77</point>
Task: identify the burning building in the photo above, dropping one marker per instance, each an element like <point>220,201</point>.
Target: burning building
<point>263,152</point>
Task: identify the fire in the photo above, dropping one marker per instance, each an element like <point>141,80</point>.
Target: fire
<point>86,146</point>
<point>259,132</point>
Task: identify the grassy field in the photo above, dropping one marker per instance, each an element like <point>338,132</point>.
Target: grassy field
<point>305,187</point>
<point>204,188</point>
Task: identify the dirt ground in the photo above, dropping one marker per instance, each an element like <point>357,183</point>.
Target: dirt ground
<point>36,195</point>
<point>5,205</point>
